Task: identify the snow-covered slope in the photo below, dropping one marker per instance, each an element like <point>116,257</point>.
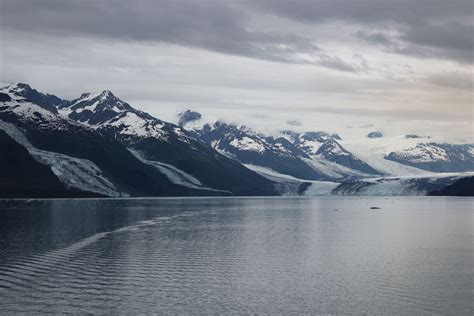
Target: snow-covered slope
<point>47,101</point>
<point>401,149</point>
<point>105,112</point>
<point>309,142</point>
<point>437,157</point>
<point>13,103</point>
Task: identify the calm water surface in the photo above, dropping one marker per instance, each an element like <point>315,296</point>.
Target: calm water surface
<point>263,255</point>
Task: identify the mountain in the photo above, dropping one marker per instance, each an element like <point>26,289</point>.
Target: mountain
<point>248,147</point>
<point>79,157</point>
<point>309,142</point>
<point>23,176</point>
<point>99,145</point>
<point>86,159</point>
<point>333,151</point>
<point>292,153</point>
<point>46,101</point>
<point>396,186</point>
<point>462,187</point>
<point>188,116</point>
<point>436,157</point>
<point>165,145</point>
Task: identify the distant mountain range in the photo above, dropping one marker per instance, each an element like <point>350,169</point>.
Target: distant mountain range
<point>99,145</point>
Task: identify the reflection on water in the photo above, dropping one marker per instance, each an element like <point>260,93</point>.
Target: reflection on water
<point>264,255</point>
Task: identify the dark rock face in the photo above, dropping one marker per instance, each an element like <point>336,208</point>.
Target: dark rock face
<point>462,187</point>
<point>414,136</point>
<point>5,97</point>
<point>22,176</point>
<point>374,135</point>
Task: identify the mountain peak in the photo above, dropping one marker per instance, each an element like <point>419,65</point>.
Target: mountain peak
<point>99,96</point>
<point>333,151</point>
<point>331,146</point>
<point>20,87</point>
<point>45,101</point>
<point>188,116</point>
<point>96,108</point>
<point>107,94</point>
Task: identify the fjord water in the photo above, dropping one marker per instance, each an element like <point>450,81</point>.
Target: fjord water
<point>263,255</point>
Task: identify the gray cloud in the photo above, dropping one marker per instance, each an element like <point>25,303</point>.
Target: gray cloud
<point>165,55</point>
<point>458,80</point>
<point>447,41</point>
<point>368,11</point>
<point>375,38</point>
<point>208,24</point>
<point>212,25</point>
<point>426,28</point>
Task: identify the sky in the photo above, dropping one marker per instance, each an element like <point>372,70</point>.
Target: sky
<point>345,66</point>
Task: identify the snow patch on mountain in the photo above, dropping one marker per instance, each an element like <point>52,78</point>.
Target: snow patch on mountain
<point>105,112</point>
<point>24,108</point>
<point>309,142</point>
<point>436,157</point>
<point>174,174</point>
<point>373,151</point>
<point>423,153</point>
<point>246,143</point>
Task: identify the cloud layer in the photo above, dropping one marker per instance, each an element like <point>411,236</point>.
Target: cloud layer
<point>396,58</point>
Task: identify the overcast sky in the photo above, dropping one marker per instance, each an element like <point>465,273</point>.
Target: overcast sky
<point>398,66</point>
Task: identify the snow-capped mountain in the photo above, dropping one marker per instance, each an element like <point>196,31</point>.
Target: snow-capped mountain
<point>107,113</point>
<point>112,155</point>
<point>99,145</point>
<point>46,101</point>
<point>187,117</point>
<point>248,147</point>
<point>436,157</point>
<point>322,146</point>
<point>293,154</point>
<point>309,142</point>
<point>164,143</point>
<point>74,155</point>
<point>333,151</point>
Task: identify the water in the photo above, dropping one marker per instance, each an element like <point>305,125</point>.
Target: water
<point>224,255</point>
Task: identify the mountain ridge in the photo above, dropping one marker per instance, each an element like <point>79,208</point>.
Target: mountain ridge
<point>100,145</point>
